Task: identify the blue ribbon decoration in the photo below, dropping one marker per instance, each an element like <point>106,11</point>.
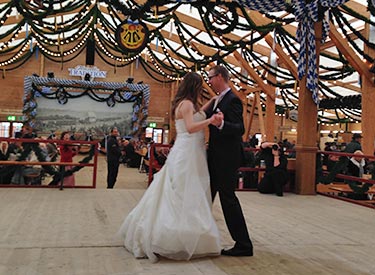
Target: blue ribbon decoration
<point>307,15</point>
<point>132,22</point>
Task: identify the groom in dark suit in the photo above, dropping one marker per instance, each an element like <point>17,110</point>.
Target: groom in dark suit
<point>225,155</point>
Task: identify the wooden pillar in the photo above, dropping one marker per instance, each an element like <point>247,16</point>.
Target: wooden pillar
<point>260,116</point>
<point>250,116</point>
<point>131,69</point>
<point>270,113</point>
<point>368,103</point>
<point>306,147</point>
<point>41,66</point>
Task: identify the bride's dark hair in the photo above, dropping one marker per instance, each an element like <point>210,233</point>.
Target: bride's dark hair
<point>189,89</point>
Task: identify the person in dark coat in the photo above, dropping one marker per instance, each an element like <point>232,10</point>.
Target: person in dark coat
<point>354,144</point>
<point>357,165</point>
<point>276,175</point>
<point>113,158</point>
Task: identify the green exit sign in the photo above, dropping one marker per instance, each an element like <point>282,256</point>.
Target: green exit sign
<point>152,124</point>
<point>11,118</point>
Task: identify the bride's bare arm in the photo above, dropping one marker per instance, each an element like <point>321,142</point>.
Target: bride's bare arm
<point>187,110</point>
<point>207,104</point>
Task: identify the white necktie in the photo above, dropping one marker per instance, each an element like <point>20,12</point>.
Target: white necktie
<point>217,100</point>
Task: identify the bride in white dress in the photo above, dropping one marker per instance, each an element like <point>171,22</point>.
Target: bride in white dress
<point>174,217</point>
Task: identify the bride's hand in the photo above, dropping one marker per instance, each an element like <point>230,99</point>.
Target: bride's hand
<point>219,116</point>
<point>217,119</point>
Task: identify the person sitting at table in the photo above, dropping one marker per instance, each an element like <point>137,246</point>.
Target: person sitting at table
<point>5,175</point>
<point>16,150</point>
<point>356,168</point>
<point>4,152</point>
<point>357,165</point>
<point>133,159</point>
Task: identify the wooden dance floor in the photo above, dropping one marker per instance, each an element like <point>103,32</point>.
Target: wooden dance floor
<point>73,231</point>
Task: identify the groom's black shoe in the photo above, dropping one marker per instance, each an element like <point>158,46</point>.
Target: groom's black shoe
<point>237,252</point>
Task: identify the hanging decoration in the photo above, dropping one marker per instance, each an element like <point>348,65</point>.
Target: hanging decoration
<point>132,36</point>
<point>62,38</point>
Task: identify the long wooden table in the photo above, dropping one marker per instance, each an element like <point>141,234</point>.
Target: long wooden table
<point>344,188</point>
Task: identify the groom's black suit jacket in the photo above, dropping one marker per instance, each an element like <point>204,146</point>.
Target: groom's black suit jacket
<point>225,155</point>
<point>225,145</point>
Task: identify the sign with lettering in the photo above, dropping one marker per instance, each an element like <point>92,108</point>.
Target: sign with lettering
<point>82,71</point>
<point>156,119</point>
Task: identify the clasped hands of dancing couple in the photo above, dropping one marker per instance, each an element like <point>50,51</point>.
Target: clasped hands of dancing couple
<point>174,217</point>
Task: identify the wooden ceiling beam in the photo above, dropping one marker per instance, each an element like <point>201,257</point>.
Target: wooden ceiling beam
<point>330,44</point>
<point>361,67</point>
<point>357,7</point>
<point>265,87</point>
<point>345,85</point>
<point>173,55</point>
<point>210,52</point>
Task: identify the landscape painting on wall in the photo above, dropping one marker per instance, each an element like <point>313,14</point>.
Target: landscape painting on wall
<point>82,116</point>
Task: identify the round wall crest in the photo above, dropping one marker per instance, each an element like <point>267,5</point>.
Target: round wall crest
<point>132,36</point>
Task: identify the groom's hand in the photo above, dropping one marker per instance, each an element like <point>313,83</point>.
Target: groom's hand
<point>218,119</point>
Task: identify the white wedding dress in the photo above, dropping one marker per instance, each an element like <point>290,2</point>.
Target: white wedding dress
<point>174,217</point>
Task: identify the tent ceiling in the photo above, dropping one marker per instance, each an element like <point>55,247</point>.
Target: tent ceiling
<point>191,36</point>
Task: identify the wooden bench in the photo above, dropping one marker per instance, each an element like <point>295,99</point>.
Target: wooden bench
<point>32,179</point>
<point>347,190</point>
<point>344,188</point>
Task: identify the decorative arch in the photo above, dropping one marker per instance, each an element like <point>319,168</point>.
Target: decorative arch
<point>111,93</point>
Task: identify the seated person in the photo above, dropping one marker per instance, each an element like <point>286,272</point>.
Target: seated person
<point>5,174</point>
<point>356,168</point>
<point>133,159</point>
<point>357,165</point>
<point>276,174</point>
<point>4,152</point>
<point>160,155</point>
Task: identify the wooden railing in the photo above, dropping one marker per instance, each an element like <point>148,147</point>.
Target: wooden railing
<point>154,166</point>
<point>48,164</point>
